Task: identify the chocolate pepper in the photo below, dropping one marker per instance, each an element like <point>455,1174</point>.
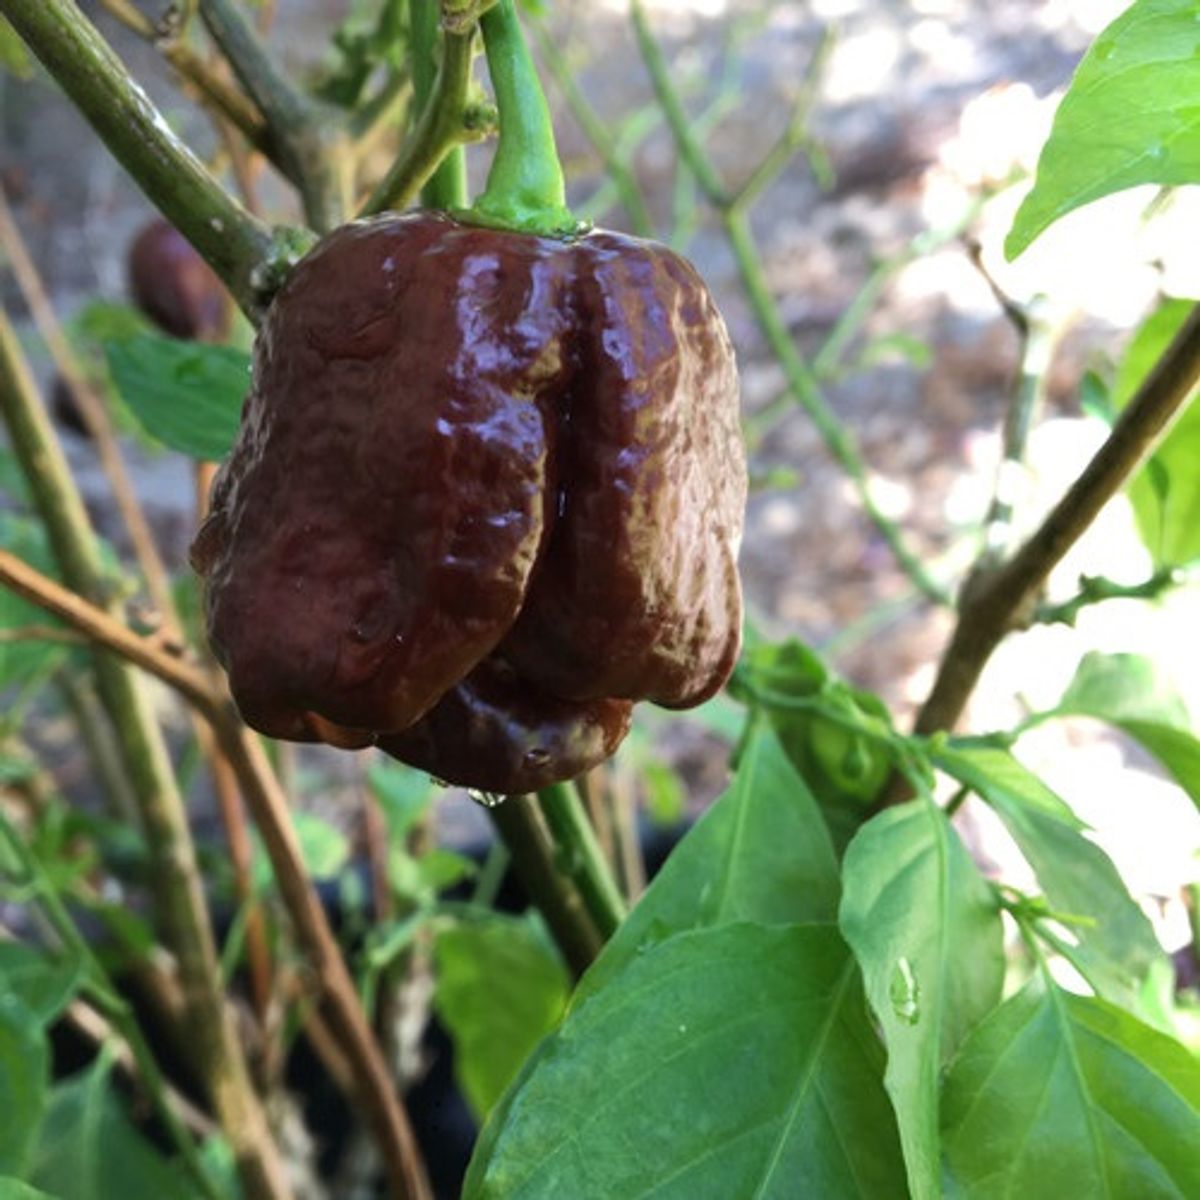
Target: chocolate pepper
<point>174,286</point>
<point>488,491</point>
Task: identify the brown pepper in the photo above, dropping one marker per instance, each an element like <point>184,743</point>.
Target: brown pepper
<point>488,489</point>
<point>174,286</point>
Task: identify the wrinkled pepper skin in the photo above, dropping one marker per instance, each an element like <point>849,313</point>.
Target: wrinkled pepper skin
<point>488,491</point>
<point>174,286</point>
<point>496,732</point>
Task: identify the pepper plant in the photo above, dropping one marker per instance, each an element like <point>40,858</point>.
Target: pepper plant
<point>816,994</point>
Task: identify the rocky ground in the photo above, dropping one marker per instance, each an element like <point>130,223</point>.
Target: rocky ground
<point>922,108</point>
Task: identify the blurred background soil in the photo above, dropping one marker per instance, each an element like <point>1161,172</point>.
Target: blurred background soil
<point>922,109</point>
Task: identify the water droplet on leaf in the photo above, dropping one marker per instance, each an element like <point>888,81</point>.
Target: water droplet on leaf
<point>905,992</point>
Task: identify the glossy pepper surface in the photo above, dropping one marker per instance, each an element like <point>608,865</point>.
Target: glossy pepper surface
<point>488,491</point>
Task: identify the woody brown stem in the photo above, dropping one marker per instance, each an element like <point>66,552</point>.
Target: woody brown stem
<point>265,798</point>
<point>179,892</point>
<point>998,599</point>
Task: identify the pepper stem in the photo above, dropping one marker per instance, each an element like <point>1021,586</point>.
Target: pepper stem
<point>525,189</point>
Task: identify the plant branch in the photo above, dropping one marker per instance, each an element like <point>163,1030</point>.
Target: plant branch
<point>266,801</point>
<point>178,888</point>
<point>441,128</point>
<point>802,383</point>
<point>93,412</point>
<point>213,88</point>
<point>996,600</point>
<point>1038,337</point>
<point>547,883</point>
<point>104,996</point>
<point>581,856</point>
<point>236,245</point>
<point>313,149</point>
<point>690,149</point>
<point>446,188</point>
<point>807,392</point>
<point>1095,589</point>
<point>595,130</point>
<point>795,134</point>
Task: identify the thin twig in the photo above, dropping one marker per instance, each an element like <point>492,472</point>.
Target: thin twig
<point>239,248</point>
<point>312,147</point>
<point>801,380</point>
<point>267,802</point>
<point>95,416</point>
<point>179,892</point>
<point>1038,337</point>
<point>440,128</point>
<point>78,692</point>
<point>795,134</point>
<point>1095,589</point>
<point>98,1029</point>
<point>581,855</point>
<point>595,130</point>
<point>100,991</point>
<point>997,600</point>
<point>214,90</point>
<point>550,888</point>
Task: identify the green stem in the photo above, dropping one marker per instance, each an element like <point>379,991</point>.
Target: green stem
<point>544,877</point>
<point>446,188</point>
<point>314,149</point>
<point>440,128</point>
<point>103,993</point>
<point>582,857</point>
<point>690,149</point>
<point>1094,589</point>
<point>179,893</point>
<point>802,383</point>
<point>234,243</point>
<point>525,188</point>
<point>597,133</point>
<point>807,391</point>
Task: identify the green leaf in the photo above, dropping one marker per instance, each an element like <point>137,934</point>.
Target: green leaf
<point>1061,1095</point>
<point>88,1149</point>
<point>722,1062</point>
<point>1117,947</point>
<point>14,1189</point>
<point>1165,492</point>
<point>500,990</point>
<point>187,395</point>
<point>664,793</point>
<point>1131,116</point>
<point>372,33</point>
<point>420,878</point>
<point>1130,692</point>
<point>404,796</point>
<point>14,58</point>
<point>818,718</point>
<point>24,1078</point>
<point>45,987</point>
<point>926,931</point>
<point>761,853</point>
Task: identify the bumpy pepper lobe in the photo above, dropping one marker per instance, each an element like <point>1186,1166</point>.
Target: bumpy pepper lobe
<point>488,490</point>
<point>637,594</point>
<point>497,732</point>
<point>373,531</point>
